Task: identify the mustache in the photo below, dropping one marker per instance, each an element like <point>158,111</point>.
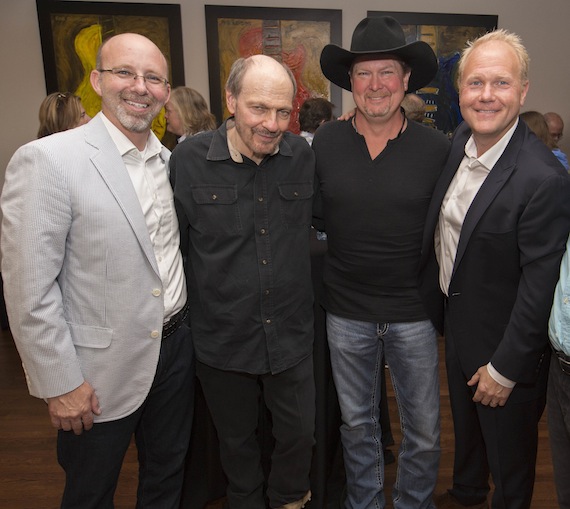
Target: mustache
<point>266,133</point>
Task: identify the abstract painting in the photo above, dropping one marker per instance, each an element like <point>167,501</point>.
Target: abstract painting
<point>295,37</point>
<point>71,33</point>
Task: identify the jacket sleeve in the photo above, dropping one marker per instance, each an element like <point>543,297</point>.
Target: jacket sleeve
<point>36,220</point>
<point>542,233</point>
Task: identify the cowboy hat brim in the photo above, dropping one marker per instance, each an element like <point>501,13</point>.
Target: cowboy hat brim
<point>336,63</point>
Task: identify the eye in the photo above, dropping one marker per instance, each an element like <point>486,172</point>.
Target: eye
<point>123,73</point>
<point>153,79</point>
<point>284,114</point>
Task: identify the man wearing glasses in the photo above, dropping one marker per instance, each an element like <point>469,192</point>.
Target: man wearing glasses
<point>95,288</point>
<point>556,129</point>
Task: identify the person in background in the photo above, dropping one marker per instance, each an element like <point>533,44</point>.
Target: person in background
<point>244,196</point>
<point>558,392</point>
<point>187,113</point>
<point>375,174</point>
<point>537,124</point>
<point>556,129</point>
<point>555,126</point>
<point>60,112</point>
<point>313,113</point>
<point>414,107</point>
<point>95,288</point>
<point>495,232</point>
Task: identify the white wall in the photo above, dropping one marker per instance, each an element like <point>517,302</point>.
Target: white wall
<point>543,25</point>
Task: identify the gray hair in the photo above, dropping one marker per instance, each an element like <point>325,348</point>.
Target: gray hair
<point>240,67</point>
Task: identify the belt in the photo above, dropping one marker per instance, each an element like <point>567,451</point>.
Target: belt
<point>174,323</point>
<point>563,361</point>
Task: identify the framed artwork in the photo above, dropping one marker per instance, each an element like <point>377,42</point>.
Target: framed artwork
<point>295,37</point>
<point>447,34</point>
<point>71,33</point>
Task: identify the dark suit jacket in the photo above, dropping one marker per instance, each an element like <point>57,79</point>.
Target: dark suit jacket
<point>507,262</point>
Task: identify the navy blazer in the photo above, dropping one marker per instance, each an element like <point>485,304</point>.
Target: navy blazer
<point>507,261</point>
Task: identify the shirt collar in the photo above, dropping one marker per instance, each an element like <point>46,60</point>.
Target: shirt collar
<point>490,158</point>
<point>126,146</point>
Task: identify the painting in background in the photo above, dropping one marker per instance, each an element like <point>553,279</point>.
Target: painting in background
<point>295,37</point>
<point>447,34</point>
<point>71,33</point>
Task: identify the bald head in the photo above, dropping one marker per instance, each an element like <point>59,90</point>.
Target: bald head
<point>555,125</point>
<point>261,66</point>
<point>132,79</point>
<point>129,43</point>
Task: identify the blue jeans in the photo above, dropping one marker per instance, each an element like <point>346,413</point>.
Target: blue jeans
<point>411,352</point>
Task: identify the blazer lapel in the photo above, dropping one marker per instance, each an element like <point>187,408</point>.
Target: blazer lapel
<point>110,165</point>
<point>498,176</point>
<point>455,156</point>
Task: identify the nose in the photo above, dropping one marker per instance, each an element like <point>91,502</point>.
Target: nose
<point>139,84</point>
<point>375,81</point>
<point>487,92</point>
<point>270,121</point>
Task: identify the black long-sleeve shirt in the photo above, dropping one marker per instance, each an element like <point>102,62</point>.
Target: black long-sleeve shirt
<point>248,262</point>
<point>374,213</point>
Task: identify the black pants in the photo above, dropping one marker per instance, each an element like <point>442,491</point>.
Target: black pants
<point>92,461</point>
<point>233,400</point>
<point>501,441</point>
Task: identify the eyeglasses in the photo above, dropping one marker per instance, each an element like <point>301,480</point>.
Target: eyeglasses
<point>150,79</point>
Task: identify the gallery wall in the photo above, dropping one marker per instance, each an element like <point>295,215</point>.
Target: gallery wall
<point>543,25</point>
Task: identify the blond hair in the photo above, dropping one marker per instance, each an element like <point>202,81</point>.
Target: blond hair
<point>192,110</point>
<point>499,35</point>
<point>59,112</point>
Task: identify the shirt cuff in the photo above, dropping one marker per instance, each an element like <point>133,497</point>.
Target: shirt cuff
<point>500,379</point>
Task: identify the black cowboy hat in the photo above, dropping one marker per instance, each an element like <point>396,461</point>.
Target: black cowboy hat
<point>381,35</point>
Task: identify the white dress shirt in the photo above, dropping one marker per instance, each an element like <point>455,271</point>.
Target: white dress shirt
<point>149,175</point>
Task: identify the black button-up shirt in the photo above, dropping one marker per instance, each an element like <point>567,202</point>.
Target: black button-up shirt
<point>245,230</point>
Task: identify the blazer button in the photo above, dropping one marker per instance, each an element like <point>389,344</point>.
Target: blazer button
<point>155,334</point>
<point>156,292</point>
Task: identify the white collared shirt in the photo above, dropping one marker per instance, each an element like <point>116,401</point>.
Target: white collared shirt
<point>149,174</point>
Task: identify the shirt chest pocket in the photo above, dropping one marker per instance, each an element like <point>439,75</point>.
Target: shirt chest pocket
<point>216,208</point>
<point>296,203</point>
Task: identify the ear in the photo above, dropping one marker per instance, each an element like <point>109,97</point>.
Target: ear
<point>95,78</point>
<point>524,92</point>
<point>406,80</point>
<point>230,102</point>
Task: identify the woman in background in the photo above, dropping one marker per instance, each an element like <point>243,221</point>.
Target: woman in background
<point>60,112</point>
<point>187,113</point>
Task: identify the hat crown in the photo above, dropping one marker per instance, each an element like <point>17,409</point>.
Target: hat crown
<point>377,34</point>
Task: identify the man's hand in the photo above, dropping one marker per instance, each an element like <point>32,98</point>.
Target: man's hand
<point>489,392</point>
<point>348,115</point>
<point>74,410</point>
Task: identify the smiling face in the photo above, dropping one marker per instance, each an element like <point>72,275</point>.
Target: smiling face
<point>491,92</point>
<point>262,109</point>
<point>378,87</point>
<point>131,104</point>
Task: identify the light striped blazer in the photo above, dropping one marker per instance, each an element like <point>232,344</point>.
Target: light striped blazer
<point>82,286</point>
